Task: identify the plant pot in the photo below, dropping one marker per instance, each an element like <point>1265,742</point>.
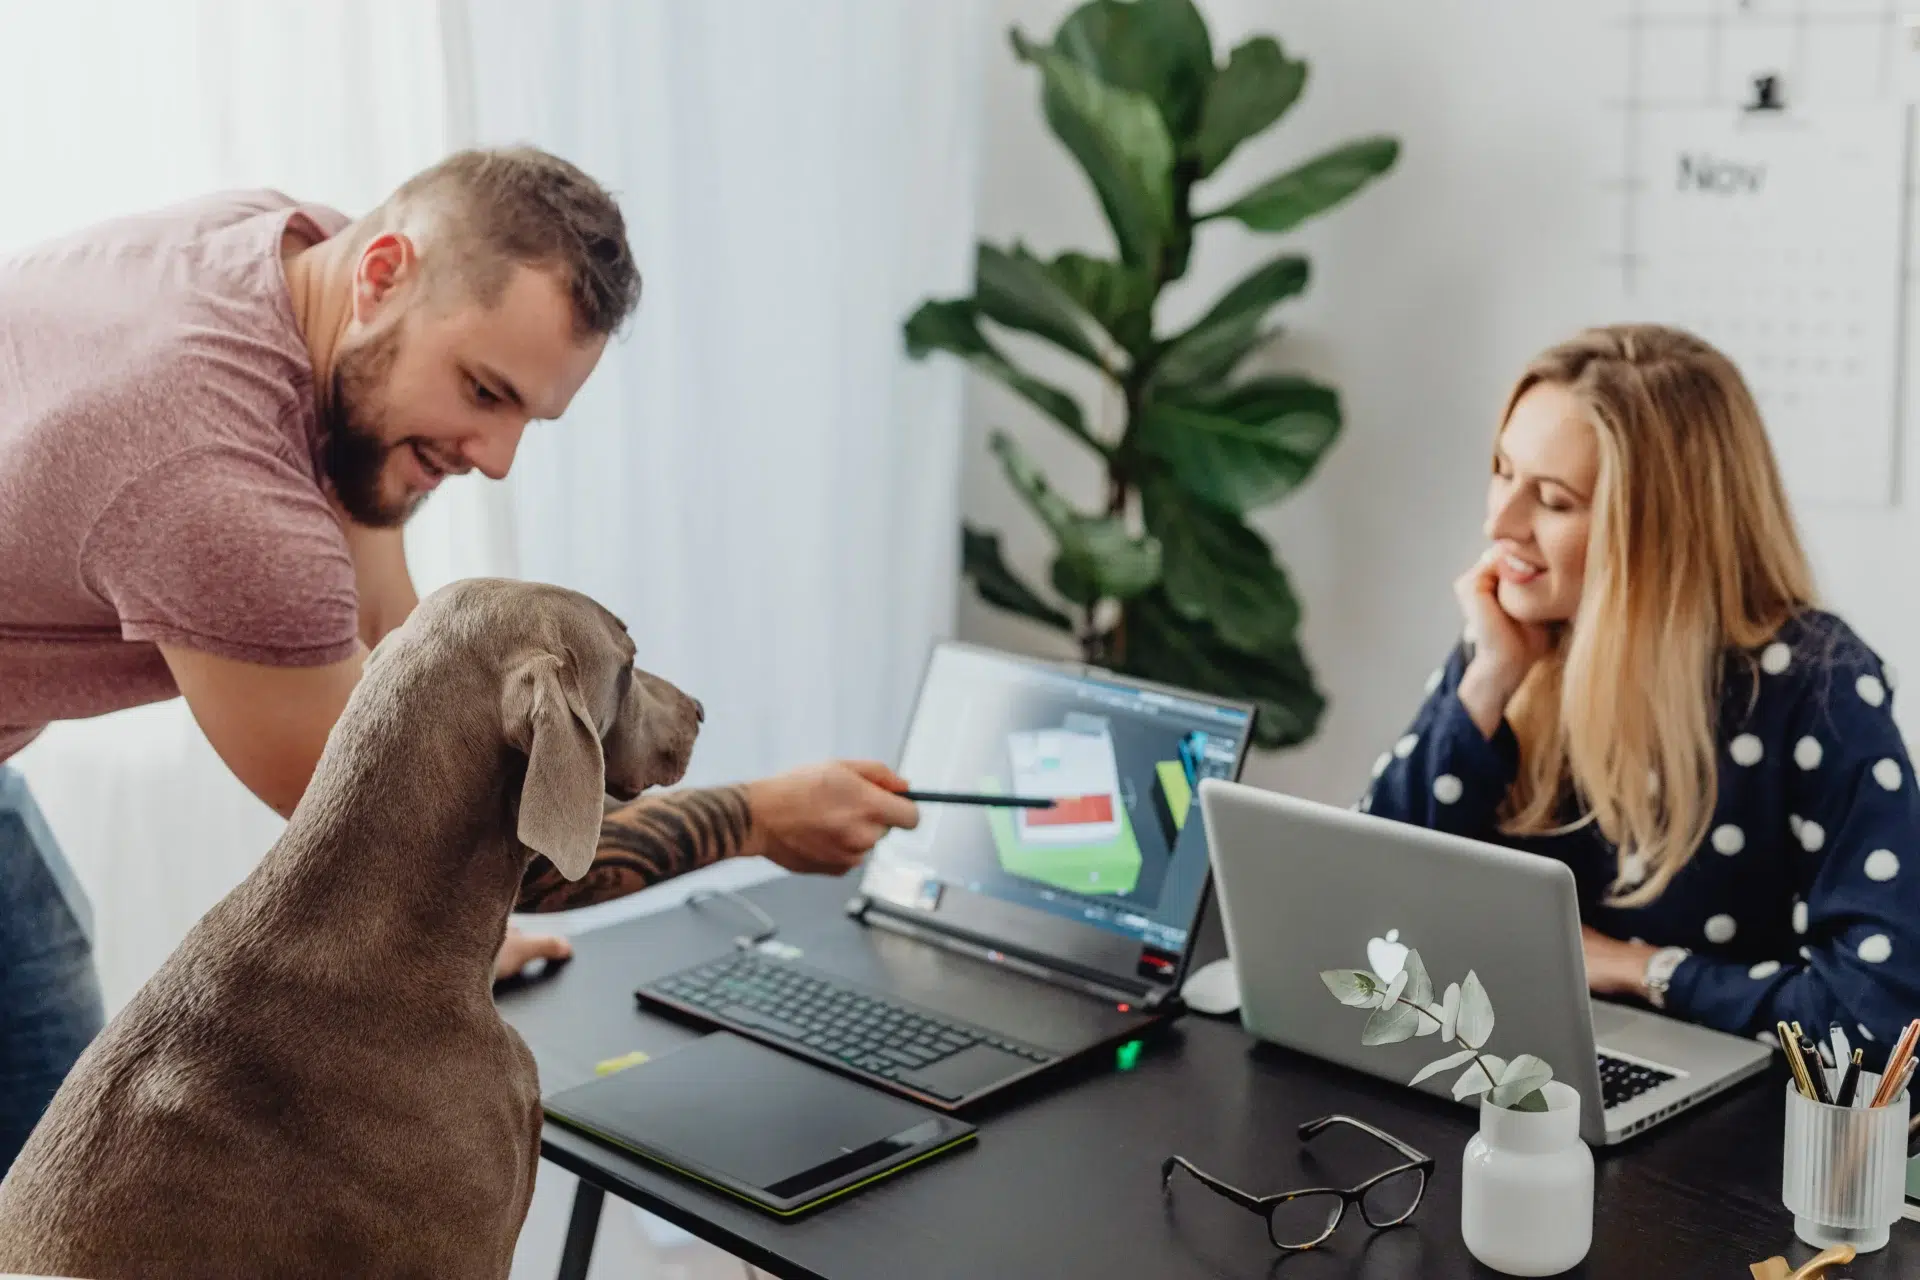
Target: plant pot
<point>1526,1187</point>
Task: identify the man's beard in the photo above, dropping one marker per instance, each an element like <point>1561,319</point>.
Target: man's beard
<point>353,456</point>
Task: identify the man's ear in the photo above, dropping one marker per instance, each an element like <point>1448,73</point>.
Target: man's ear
<point>563,798</point>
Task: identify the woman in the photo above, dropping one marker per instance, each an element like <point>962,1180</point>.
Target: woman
<point>1647,693</point>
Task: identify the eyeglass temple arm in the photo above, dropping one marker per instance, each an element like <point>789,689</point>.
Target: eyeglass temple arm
<point>1226,1189</point>
<point>1313,1128</point>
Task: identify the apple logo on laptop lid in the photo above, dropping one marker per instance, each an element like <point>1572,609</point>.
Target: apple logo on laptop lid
<point>1387,955</point>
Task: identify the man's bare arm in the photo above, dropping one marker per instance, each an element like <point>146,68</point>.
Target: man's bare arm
<point>642,843</point>
<point>386,589</point>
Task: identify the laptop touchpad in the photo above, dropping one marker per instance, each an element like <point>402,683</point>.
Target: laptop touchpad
<point>974,1067</point>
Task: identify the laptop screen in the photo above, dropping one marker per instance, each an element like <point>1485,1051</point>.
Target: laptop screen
<point>1111,876</point>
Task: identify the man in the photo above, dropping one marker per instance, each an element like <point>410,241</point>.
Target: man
<point>214,420</point>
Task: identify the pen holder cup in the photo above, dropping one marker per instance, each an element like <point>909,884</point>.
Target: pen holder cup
<point>1843,1169</point>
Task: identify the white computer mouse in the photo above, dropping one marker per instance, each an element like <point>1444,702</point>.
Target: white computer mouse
<point>1212,988</point>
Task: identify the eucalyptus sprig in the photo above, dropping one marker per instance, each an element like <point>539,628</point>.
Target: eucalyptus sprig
<point>1404,1008</point>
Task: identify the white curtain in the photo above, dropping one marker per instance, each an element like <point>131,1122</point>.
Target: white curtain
<point>771,484</point>
<point>756,478</point>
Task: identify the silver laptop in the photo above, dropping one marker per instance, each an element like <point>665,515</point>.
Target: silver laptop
<point>1304,887</point>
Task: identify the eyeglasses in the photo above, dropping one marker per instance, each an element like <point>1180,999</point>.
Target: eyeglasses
<point>1303,1219</point>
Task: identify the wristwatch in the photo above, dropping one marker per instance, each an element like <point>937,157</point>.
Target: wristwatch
<point>1660,967</point>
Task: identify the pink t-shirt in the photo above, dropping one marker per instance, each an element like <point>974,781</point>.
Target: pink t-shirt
<point>159,462</point>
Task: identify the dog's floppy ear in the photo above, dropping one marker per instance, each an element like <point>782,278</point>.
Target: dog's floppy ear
<point>562,800</point>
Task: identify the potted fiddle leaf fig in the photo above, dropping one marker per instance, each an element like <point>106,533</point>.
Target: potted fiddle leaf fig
<point>1166,578</point>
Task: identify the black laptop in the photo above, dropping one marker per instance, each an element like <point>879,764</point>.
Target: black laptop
<point>1001,942</point>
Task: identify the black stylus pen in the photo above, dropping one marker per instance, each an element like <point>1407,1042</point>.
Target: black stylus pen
<point>1822,1092</point>
<point>968,797</point>
<point>1849,1082</point>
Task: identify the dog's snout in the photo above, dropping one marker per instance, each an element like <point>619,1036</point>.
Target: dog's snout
<point>699,712</point>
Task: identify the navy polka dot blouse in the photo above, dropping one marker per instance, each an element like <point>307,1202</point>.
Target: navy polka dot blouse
<point>1804,903</point>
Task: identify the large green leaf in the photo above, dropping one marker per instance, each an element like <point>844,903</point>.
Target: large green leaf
<point>982,564</point>
<point>953,327</point>
<point>1118,297</point>
<point>1099,558</point>
<point>1222,338</point>
<point>1214,568</point>
<point>1120,141</point>
<point>1283,203</point>
<point>1161,645</point>
<point>1252,91</point>
<point>1017,290</point>
<point>1159,48</point>
<point>1247,446</point>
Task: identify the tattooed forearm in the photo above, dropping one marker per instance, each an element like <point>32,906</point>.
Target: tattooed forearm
<point>652,839</point>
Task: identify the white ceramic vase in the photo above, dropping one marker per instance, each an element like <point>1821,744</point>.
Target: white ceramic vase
<point>1526,1187</point>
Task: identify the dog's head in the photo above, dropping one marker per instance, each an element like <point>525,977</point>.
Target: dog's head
<point>589,722</point>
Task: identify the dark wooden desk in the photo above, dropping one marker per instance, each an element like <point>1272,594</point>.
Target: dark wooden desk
<point>1064,1182</point>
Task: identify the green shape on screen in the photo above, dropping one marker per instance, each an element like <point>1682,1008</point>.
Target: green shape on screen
<point>1173,782</point>
<point>1110,867</point>
<point>1127,1055</point>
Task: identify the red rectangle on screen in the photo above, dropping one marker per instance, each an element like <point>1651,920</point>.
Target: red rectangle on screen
<point>1070,810</point>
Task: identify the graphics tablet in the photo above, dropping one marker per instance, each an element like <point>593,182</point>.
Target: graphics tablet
<point>763,1126</point>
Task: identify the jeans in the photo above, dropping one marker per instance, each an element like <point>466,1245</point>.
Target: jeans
<point>49,994</point>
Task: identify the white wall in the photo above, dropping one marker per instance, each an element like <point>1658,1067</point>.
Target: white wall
<point>1429,293</point>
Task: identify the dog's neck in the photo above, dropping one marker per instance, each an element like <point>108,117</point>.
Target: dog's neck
<point>403,845</point>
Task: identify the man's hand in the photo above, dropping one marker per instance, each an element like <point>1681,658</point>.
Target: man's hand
<point>825,817</point>
<point>521,949</point>
<point>1615,968</point>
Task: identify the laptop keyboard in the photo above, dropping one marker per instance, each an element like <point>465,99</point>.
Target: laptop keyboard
<point>1623,1081</point>
<point>823,1017</point>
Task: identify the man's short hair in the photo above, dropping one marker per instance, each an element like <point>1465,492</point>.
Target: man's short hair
<point>491,210</point>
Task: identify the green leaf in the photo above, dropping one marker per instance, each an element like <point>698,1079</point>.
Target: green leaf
<point>1120,141</point>
<point>1118,297</point>
<point>1218,570</point>
<point>1447,1063</point>
<point>1524,1075</point>
<point>1395,988</point>
<point>1098,557</point>
<point>1203,357</point>
<point>953,326</point>
<point>1390,1024</point>
<point>982,565</point>
<point>1450,1012</point>
<point>1252,91</point>
<point>1473,1081</point>
<point>1476,1012</point>
<point>1159,48</point>
<point>1283,203</point>
<point>1419,985</point>
<point>1247,446</point>
<point>1017,290</point>
<point>1535,1101</point>
<point>1157,643</point>
<point>1222,338</point>
<point>1353,987</point>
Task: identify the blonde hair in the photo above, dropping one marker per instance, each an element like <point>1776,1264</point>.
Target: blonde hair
<point>1692,552</point>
